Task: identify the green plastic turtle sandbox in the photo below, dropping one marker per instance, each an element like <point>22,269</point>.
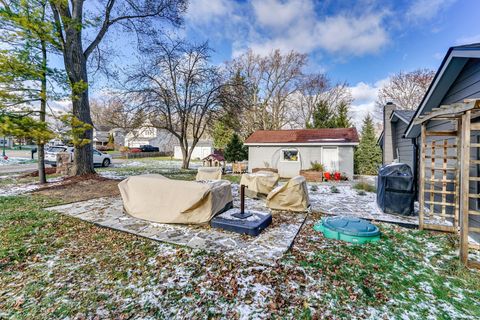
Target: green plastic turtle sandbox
<point>350,229</point>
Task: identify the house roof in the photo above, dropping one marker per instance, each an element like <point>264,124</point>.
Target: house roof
<point>305,136</point>
<point>404,115</point>
<point>215,156</point>
<point>451,66</point>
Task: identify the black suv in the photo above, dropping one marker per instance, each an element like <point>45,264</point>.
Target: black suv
<point>149,148</point>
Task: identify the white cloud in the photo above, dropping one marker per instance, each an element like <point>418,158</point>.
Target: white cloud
<point>204,11</point>
<point>427,9</point>
<point>295,25</point>
<point>279,14</point>
<point>364,97</point>
<point>353,35</point>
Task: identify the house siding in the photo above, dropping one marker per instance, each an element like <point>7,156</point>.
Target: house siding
<point>404,149</point>
<point>465,86</point>
<point>271,156</point>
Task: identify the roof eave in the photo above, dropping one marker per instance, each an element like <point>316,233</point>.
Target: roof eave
<point>453,52</point>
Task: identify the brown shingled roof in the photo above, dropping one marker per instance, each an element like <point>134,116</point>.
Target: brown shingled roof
<point>339,135</point>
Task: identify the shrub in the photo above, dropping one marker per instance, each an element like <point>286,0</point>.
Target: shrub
<point>334,189</point>
<point>363,186</point>
<point>235,150</point>
<point>314,188</point>
<point>316,166</point>
<point>104,148</point>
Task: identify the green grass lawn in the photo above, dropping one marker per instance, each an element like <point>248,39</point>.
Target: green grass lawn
<point>54,266</point>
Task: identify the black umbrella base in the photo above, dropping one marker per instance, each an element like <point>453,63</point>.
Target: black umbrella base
<point>249,222</point>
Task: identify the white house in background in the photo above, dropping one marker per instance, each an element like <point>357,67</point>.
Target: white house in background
<point>6,142</point>
<point>203,149</point>
<point>290,151</point>
<point>148,135</point>
<point>100,135</point>
<point>118,136</point>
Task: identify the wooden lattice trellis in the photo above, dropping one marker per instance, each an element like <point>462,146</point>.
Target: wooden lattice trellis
<point>445,183</point>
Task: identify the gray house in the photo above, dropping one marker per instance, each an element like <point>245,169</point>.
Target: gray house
<point>395,146</point>
<point>290,151</point>
<point>457,80</point>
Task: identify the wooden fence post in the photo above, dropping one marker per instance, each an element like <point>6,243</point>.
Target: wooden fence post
<point>465,187</point>
<point>421,188</point>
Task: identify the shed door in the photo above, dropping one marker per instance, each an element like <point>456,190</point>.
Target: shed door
<point>330,158</point>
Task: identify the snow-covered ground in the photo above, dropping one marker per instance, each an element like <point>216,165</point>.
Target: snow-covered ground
<point>13,189</point>
<point>15,161</point>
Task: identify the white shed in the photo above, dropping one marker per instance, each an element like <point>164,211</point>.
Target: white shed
<point>290,151</point>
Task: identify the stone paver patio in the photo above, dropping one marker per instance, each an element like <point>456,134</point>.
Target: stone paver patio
<point>266,248</point>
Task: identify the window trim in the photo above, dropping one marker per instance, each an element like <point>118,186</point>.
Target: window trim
<point>290,161</point>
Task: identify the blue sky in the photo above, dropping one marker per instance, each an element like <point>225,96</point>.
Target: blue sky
<point>361,42</point>
<point>350,40</point>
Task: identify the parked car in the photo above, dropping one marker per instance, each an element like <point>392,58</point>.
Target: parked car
<point>134,150</point>
<point>149,148</point>
<point>99,158</point>
<point>51,154</point>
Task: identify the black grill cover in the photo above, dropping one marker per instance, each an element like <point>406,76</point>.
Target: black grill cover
<point>395,189</point>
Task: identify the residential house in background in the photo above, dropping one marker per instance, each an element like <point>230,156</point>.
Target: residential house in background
<point>6,142</point>
<point>290,151</point>
<point>202,149</point>
<point>148,135</point>
<point>118,136</point>
<point>101,135</point>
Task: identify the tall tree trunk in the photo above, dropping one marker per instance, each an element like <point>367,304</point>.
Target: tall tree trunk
<point>43,109</point>
<point>185,155</point>
<point>76,67</point>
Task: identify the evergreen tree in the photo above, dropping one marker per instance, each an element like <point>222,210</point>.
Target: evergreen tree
<point>221,134</point>
<point>368,155</point>
<point>342,120</point>
<point>323,117</point>
<point>235,150</point>
<point>24,74</point>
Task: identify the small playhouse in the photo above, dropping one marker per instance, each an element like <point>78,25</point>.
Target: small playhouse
<point>214,160</point>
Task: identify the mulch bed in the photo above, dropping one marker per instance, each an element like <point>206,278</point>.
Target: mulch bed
<point>74,189</point>
<point>49,170</point>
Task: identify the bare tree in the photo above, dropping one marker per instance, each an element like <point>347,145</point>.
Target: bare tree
<point>405,89</point>
<point>71,20</point>
<point>179,91</point>
<point>274,79</point>
<point>314,89</point>
<point>116,112</point>
<point>310,92</point>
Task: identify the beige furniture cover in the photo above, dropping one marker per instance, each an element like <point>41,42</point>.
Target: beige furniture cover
<point>209,173</point>
<point>292,196</point>
<point>259,183</point>
<point>155,198</point>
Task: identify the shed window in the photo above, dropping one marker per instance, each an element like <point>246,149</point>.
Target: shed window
<point>290,155</point>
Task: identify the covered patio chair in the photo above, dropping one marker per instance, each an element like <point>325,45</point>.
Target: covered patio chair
<point>260,183</point>
<point>155,198</point>
<point>209,173</point>
<point>292,196</point>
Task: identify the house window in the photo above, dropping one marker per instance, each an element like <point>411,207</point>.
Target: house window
<point>290,155</point>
